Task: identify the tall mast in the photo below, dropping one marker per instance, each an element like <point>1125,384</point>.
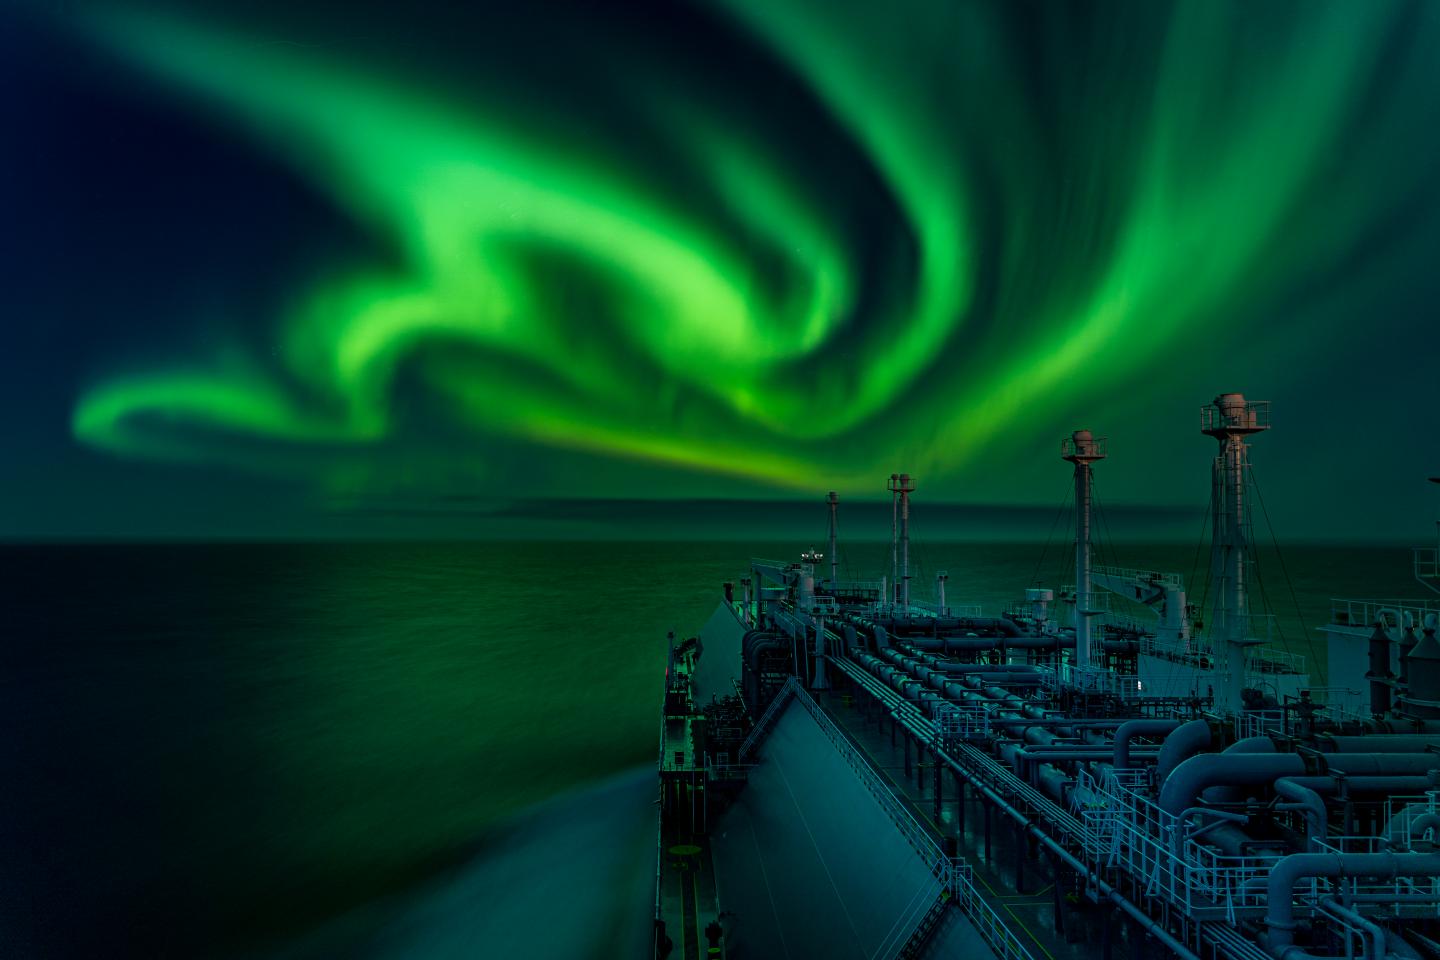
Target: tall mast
<point>833,500</point>
<point>1082,449</point>
<point>894,542</point>
<point>1230,418</point>
<point>902,486</point>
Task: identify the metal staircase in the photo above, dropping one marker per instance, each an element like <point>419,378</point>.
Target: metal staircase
<point>767,719</point>
<point>915,946</point>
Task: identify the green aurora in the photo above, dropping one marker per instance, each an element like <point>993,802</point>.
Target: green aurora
<point>991,231</point>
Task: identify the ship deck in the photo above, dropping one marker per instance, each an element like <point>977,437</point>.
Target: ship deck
<point>687,895</point>
<point>1008,866</point>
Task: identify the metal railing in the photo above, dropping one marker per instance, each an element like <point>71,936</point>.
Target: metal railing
<point>1143,576</point>
<point>1259,723</point>
<point>1126,830</point>
<point>1090,679</point>
<point>1257,626</point>
<point>1267,660</point>
<point>1398,896</point>
<point>965,721</point>
<point>1094,603</point>
<point>1192,650</point>
<point>723,770</point>
<point>855,586</point>
<point>1094,447</point>
<point>910,828</point>
<point>1427,563</point>
<point>792,625</point>
<point>1002,939</point>
<point>1126,622</point>
<point>949,610</point>
<point>1252,415</point>
<point>915,923</point>
<point>758,731</point>
<point>1332,696</point>
<point>1348,612</point>
<point>1404,811</point>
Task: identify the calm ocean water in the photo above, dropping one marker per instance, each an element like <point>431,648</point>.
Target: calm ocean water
<point>289,749</point>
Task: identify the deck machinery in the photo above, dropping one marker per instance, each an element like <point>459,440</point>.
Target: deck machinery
<point>847,771</point>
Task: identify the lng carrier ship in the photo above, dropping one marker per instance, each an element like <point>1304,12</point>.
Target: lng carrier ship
<point>848,771</point>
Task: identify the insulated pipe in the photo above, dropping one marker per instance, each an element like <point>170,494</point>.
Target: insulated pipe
<point>1305,798</point>
<point>1180,744</point>
<point>1190,779</point>
<point>908,686</point>
<point>1223,818</point>
<point>1357,765</point>
<point>1289,871</point>
<point>922,669</point>
<point>979,644</point>
<point>926,627</point>
<point>1407,725</point>
<point>1374,935</point>
<point>988,675</point>
<point>1220,815</point>
<point>1039,736</point>
<point>1424,823</point>
<point>955,666</point>
<point>1399,947</point>
<point>999,675</point>
<point>1137,728</point>
<point>1059,754</point>
<point>1053,781</point>
<point>1248,745</point>
<point>1011,713</point>
<point>1234,842</point>
<point>1378,743</point>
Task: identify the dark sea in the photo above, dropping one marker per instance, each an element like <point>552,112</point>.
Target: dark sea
<point>396,750</point>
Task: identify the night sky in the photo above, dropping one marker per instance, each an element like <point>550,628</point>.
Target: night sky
<point>333,271</point>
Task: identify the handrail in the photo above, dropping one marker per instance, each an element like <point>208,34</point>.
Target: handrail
<point>1002,939</point>
<point>757,732</point>
<point>1366,611</point>
<point>918,837</point>
<point>951,874</point>
<point>1135,573</point>
<point>992,780</point>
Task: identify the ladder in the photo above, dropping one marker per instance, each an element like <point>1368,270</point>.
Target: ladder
<point>925,928</point>
<point>771,712</point>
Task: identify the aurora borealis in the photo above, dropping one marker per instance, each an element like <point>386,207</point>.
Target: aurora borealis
<point>781,246</point>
